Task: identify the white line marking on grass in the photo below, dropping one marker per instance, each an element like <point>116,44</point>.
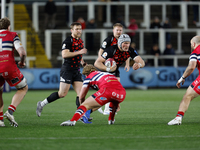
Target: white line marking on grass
<point>75,138</point>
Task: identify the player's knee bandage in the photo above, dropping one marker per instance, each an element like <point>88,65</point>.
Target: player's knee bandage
<point>22,84</point>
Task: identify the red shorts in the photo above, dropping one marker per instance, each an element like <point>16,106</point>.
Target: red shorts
<point>196,85</point>
<point>105,95</point>
<point>13,77</point>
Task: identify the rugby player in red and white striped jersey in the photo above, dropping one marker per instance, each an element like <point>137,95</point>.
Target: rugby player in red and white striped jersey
<point>109,90</point>
<point>9,42</point>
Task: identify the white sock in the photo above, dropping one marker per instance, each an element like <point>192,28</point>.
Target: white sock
<point>107,107</point>
<point>44,102</point>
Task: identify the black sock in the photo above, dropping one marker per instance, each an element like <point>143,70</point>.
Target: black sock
<point>77,102</point>
<point>54,96</point>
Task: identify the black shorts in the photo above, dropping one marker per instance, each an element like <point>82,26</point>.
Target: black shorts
<point>70,76</point>
<point>116,73</point>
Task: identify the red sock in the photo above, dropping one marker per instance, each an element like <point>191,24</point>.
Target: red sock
<point>180,114</point>
<point>12,108</point>
<point>79,113</point>
<point>112,108</point>
<point>1,115</point>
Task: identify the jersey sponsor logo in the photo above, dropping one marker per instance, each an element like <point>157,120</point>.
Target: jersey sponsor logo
<point>3,34</point>
<point>111,80</point>
<point>104,54</point>
<point>98,93</point>
<point>63,47</point>
<point>4,56</point>
<point>104,44</point>
<point>198,87</point>
<point>103,98</point>
<point>15,80</point>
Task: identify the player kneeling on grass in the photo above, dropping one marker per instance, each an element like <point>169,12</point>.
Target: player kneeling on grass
<point>193,90</point>
<point>110,90</point>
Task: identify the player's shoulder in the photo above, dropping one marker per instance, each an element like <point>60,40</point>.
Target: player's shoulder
<point>109,38</point>
<point>9,33</point>
<point>132,50</point>
<point>93,73</point>
<point>111,49</point>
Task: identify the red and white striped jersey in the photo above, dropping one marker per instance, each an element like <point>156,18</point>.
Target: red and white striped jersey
<point>98,79</point>
<point>8,42</point>
<point>195,56</point>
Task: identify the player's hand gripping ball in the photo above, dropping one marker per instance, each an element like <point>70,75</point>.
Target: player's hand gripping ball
<point>110,62</point>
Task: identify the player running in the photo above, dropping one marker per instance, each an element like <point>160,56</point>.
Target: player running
<point>193,90</point>
<point>72,51</point>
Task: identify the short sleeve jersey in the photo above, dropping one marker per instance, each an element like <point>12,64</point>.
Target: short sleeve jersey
<point>73,45</point>
<point>7,47</point>
<point>195,56</point>
<point>98,80</point>
<point>109,41</point>
<point>119,56</point>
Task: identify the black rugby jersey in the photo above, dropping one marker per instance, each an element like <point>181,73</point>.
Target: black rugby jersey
<point>119,56</point>
<point>73,45</point>
<point>109,41</point>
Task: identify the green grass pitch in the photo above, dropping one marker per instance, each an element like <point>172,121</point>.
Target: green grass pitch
<point>140,125</point>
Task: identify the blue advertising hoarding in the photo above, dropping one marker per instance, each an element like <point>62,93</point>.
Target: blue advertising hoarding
<point>147,76</point>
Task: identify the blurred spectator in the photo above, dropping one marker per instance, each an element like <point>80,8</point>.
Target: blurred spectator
<point>133,26</point>
<point>155,25</point>
<point>176,10</point>
<point>82,22</point>
<point>101,12</point>
<point>156,52</point>
<point>167,25</point>
<point>50,15</point>
<point>169,51</point>
<point>120,20</point>
<point>90,36</point>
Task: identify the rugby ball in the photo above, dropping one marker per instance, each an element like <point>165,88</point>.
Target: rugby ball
<point>110,62</point>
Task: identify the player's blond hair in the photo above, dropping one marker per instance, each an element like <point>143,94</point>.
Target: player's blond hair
<point>88,69</point>
<point>117,25</point>
<point>4,23</point>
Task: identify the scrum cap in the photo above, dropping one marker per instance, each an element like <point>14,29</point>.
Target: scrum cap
<point>123,38</point>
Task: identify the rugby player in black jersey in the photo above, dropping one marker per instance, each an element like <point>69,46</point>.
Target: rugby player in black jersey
<point>72,51</point>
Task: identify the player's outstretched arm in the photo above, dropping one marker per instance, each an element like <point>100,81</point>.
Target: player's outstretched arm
<point>139,63</point>
<point>188,71</point>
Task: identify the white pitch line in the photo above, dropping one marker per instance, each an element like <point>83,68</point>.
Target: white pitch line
<point>75,138</point>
